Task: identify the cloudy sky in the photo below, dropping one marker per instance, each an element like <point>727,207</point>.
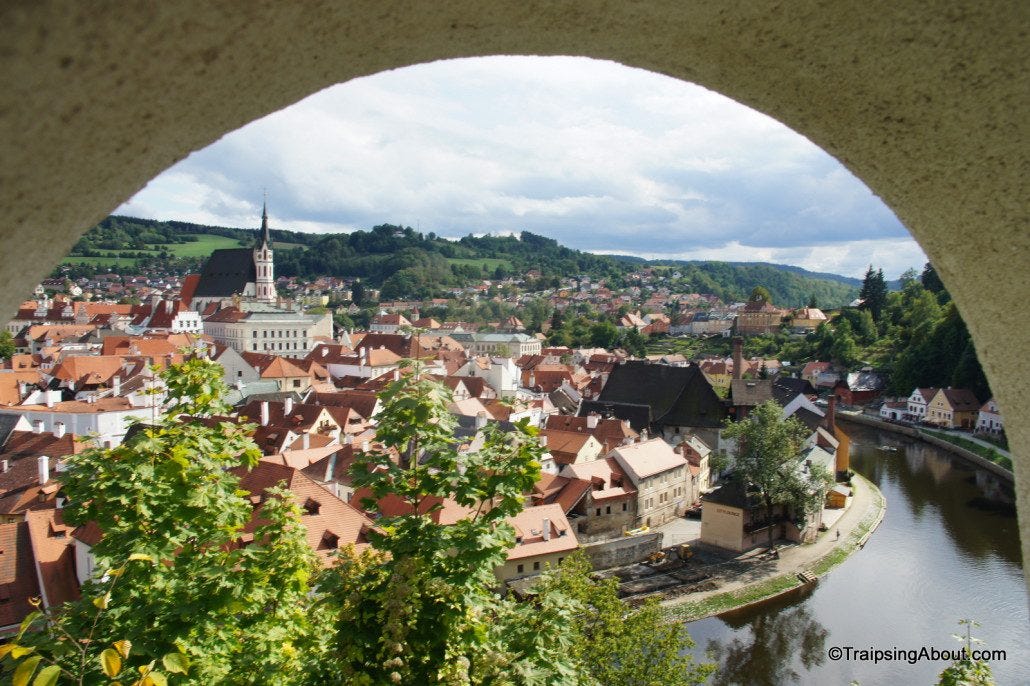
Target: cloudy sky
<point>600,156</point>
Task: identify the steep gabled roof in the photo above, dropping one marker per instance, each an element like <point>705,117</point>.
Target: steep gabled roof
<point>329,522</point>
<point>677,396</point>
<point>226,273</point>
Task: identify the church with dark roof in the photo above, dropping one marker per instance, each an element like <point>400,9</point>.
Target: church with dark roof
<point>244,273</point>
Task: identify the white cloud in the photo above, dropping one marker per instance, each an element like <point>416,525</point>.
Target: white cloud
<point>596,154</point>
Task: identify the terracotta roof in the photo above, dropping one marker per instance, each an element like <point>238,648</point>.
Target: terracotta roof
<point>10,382</point>
<point>189,287</point>
<point>18,578</point>
<point>329,522</point>
<point>530,532</point>
<point>362,402</point>
<point>330,353</point>
<point>273,365</point>
<point>81,406</point>
<point>440,510</point>
<point>91,370</point>
<point>54,554</point>
<point>961,399</point>
<point>607,478</point>
<point>565,446</point>
<point>645,459</point>
<point>610,432</point>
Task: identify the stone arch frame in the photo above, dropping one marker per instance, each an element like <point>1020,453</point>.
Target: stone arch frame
<point>925,102</point>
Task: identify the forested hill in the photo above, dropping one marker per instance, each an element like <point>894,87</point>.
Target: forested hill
<point>407,263</point>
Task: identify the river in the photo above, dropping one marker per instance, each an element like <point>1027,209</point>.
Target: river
<point>939,556</point>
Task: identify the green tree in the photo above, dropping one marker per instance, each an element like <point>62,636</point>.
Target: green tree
<point>760,294</point>
<point>634,342</point>
<point>874,292</point>
<point>618,645</point>
<point>357,293</point>
<point>6,345</point>
<point>420,608</point>
<point>172,516</point>
<point>844,350</point>
<point>603,334</point>
<point>767,461</point>
<point>966,671</point>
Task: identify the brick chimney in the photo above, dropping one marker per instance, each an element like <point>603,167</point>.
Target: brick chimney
<point>58,429</point>
<point>546,528</point>
<point>738,357</point>
<point>592,420</point>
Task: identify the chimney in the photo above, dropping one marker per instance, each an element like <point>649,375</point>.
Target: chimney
<point>5,465</point>
<point>532,380</point>
<point>37,426</point>
<point>348,439</point>
<point>264,413</point>
<point>117,383</point>
<point>547,529</point>
<point>51,397</point>
<point>364,446</point>
<point>396,375</point>
<point>288,405</point>
<point>480,419</point>
<point>305,441</point>
<point>831,414</point>
<point>628,440</point>
<point>738,357</point>
<point>592,420</point>
<point>58,429</point>
<point>44,469</point>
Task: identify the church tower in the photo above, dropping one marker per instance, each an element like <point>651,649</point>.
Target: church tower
<point>265,282</point>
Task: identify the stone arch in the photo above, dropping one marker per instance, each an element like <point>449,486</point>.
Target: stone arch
<point>925,102</point>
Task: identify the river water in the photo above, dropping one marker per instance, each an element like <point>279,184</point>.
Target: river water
<point>938,556</point>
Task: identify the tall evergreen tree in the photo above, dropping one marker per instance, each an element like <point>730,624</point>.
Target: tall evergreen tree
<point>874,292</point>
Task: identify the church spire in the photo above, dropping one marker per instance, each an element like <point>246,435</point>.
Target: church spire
<point>266,241</point>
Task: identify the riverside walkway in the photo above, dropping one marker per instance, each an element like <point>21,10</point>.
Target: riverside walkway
<point>755,576</point>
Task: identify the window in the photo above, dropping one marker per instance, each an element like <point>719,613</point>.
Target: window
<point>598,513</point>
<point>624,507</point>
<point>254,332</point>
<point>536,566</point>
<point>519,569</point>
<point>296,383</point>
<point>608,510</point>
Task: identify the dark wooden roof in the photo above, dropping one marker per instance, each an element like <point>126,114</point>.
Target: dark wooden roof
<point>676,396</point>
<point>226,273</point>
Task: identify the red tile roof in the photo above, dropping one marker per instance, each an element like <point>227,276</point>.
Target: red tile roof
<point>18,578</point>
<point>329,522</point>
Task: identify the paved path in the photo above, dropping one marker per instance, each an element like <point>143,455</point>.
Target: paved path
<point>752,568</point>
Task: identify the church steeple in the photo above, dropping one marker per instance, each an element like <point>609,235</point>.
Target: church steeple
<point>266,240</point>
<point>263,265</point>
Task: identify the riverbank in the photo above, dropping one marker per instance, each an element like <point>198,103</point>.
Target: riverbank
<point>939,439</point>
<point>780,576</point>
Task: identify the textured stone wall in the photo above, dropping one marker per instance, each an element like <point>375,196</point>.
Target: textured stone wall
<point>925,102</point>
<point>623,551</point>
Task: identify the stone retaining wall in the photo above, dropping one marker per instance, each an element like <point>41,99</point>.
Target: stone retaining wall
<point>913,432</point>
<point>623,551</point>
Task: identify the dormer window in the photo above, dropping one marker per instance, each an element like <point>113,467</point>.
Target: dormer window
<point>330,541</point>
